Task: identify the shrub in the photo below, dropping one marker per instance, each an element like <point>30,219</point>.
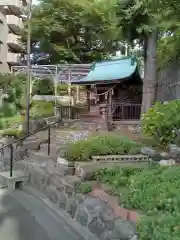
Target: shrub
<point>162,122</point>
<point>11,121</point>
<point>117,177</point>
<point>105,144</point>
<point>16,133</point>
<point>2,123</point>
<point>154,190</point>
<point>44,87</point>
<point>84,188</point>
<point>161,226</point>
<point>8,109</point>
<point>42,109</point>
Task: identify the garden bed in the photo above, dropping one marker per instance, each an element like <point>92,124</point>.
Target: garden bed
<point>106,144</point>
<point>151,191</point>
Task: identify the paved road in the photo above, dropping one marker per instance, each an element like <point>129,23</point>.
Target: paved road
<point>23,217</point>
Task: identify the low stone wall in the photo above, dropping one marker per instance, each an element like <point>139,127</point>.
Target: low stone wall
<point>90,211</point>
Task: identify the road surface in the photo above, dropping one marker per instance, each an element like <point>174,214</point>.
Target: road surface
<point>24,217</point>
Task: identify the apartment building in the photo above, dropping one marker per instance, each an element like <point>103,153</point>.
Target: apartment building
<point>11,26</point>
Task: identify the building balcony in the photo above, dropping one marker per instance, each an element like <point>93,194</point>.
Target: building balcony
<point>13,58</point>
<point>15,6</point>
<point>15,24</point>
<point>14,42</point>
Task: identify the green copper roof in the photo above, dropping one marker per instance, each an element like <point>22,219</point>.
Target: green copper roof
<point>109,70</point>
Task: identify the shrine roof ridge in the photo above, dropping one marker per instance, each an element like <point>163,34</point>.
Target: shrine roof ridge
<point>111,70</point>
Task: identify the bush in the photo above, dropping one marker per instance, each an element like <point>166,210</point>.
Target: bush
<point>2,123</point>
<point>11,121</point>
<point>152,191</point>
<point>42,109</point>
<point>44,87</point>
<point>156,193</point>
<point>105,144</point>
<point>8,110</point>
<point>162,122</point>
<point>16,133</point>
<point>162,226</point>
<point>84,188</point>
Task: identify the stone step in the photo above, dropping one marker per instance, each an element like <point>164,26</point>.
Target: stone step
<point>16,180</point>
<point>41,156</point>
<point>54,149</point>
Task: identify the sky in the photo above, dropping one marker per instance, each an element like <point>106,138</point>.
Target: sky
<point>35,1</point>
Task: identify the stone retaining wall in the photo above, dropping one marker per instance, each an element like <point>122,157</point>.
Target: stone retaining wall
<point>90,211</point>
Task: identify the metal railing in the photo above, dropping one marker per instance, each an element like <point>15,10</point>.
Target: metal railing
<point>126,112</point>
<point>20,140</point>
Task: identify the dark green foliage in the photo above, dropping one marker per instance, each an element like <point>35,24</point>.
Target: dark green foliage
<point>8,110</point>
<point>84,188</point>
<point>44,87</point>
<point>105,144</point>
<point>74,31</point>
<point>162,122</point>
<point>153,192</point>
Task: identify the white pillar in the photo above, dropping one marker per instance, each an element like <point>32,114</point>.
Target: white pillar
<point>77,93</point>
<point>1,97</point>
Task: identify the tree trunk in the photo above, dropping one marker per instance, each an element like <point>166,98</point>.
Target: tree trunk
<point>150,81</point>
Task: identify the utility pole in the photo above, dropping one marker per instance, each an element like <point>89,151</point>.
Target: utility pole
<point>28,83</point>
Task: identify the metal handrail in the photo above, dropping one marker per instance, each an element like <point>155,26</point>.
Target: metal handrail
<point>10,145</point>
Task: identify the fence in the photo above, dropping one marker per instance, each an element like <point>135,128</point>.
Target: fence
<point>127,112</point>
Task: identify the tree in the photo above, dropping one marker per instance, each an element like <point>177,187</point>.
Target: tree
<point>75,31</point>
<point>145,20</point>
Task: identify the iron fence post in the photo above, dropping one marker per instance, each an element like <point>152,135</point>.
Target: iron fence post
<point>49,139</point>
<point>11,160</point>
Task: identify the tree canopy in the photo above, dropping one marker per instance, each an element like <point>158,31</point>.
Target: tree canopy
<point>82,31</point>
<point>75,31</point>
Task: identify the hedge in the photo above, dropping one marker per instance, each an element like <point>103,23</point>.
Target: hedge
<point>103,144</point>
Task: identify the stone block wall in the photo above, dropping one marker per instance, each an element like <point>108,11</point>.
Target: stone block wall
<point>90,211</point>
<point>169,82</point>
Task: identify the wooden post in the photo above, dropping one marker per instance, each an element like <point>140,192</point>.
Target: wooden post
<point>110,105</point>
<point>88,98</point>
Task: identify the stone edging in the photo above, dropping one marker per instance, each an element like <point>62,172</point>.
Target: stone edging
<point>94,211</point>
<point>123,213</point>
